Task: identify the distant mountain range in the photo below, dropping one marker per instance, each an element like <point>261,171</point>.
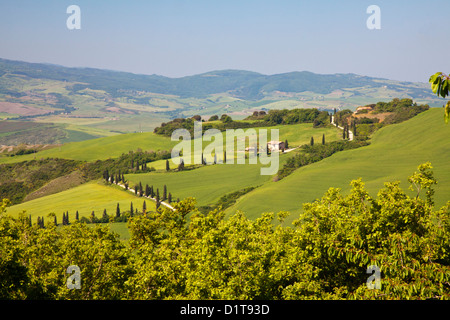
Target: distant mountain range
<point>238,83</point>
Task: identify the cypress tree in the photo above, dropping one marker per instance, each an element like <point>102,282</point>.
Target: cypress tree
<point>152,192</point>
<point>136,189</point>
<point>29,220</point>
<point>343,134</point>
<point>157,195</point>
<point>215,158</point>
<point>105,217</point>
<point>323,138</point>
<point>164,193</point>
<point>312,141</point>
<point>224,156</point>
<point>181,165</point>
<point>117,211</point>
<point>144,207</point>
<point>77,217</point>
<point>147,190</point>
<point>286,144</point>
<point>141,191</point>
<point>56,222</point>
<point>112,178</point>
<point>167,165</point>
<point>170,198</point>
<point>131,207</point>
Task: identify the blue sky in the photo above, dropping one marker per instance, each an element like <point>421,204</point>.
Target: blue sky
<point>179,38</point>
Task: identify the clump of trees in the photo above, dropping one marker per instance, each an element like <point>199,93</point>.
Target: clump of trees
<point>271,118</point>
<point>323,254</point>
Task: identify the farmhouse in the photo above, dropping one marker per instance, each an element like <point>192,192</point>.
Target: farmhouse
<point>275,145</point>
<point>368,108</point>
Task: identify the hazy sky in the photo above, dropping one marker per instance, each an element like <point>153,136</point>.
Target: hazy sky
<point>179,38</point>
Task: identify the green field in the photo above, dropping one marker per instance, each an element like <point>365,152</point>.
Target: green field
<point>207,184</point>
<point>85,198</point>
<point>101,148</point>
<point>394,154</point>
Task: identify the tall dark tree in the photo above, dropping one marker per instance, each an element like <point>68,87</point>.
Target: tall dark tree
<point>286,144</point>
<point>144,207</point>
<point>105,217</point>
<point>55,221</point>
<point>157,195</point>
<point>167,165</point>
<point>131,207</point>
<point>312,141</point>
<point>136,189</point>
<point>147,190</point>
<point>117,210</point>
<point>77,216</point>
<point>224,157</point>
<point>164,197</point>
<point>93,217</point>
<point>169,198</point>
<point>181,165</point>
<point>152,192</point>
<point>141,190</point>
<point>323,138</point>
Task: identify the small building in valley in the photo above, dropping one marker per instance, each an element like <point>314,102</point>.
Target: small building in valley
<point>275,145</point>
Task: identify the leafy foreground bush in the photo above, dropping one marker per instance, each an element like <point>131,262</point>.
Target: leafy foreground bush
<point>322,255</point>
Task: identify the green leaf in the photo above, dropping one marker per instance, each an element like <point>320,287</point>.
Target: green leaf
<point>445,87</point>
<point>447,111</point>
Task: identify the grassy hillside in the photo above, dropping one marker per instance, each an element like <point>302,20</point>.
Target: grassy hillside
<point>85,198</point>
<point>209,183</point>
<point>394,154</point>
<point>101,148</point>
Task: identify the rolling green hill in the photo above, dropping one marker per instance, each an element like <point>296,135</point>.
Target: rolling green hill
<point>207,184</point>
<point>101,148</point>
<point>394,154</point>
<point>85,198</point>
